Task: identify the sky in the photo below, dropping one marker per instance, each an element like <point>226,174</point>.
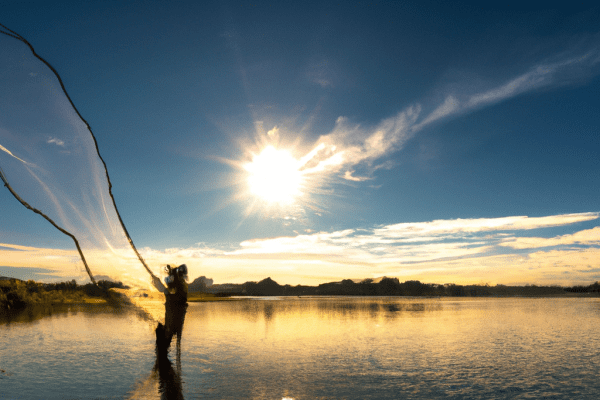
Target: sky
<point>313,142</point>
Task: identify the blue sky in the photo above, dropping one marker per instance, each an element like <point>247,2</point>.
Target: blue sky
<point>445,142</point>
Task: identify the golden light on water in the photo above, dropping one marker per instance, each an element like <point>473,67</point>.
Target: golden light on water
<point>275,176</point>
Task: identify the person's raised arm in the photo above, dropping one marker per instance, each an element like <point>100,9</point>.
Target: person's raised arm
<point>158,284</point>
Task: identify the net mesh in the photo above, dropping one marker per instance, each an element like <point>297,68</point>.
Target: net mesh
<point>49,158</point>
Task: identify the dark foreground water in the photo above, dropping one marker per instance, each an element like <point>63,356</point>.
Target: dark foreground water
<point>314,348</point>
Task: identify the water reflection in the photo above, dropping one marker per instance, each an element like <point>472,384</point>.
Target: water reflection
<point>85,351</point>
<point>374,308</point>
<point>37,312</point>
<point>164,382</point>
<point>254,309</point>
<point>352,348</point>
<point>169,386</point>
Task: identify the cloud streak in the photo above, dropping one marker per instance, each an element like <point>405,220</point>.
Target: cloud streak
<point>493,250</point>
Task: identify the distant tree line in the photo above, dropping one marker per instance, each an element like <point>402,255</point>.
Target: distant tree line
<point>16,294</point>
<point>593,288</point>
<point>389,287</point>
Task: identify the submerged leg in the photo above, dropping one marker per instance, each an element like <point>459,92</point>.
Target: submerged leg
<point>178,346</point>
<point>178,339</point>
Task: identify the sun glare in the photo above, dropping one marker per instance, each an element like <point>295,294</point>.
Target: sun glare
<point>274,176</point>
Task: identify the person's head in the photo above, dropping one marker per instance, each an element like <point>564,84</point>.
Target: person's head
<point>182,272</point>
<point>176,274</point>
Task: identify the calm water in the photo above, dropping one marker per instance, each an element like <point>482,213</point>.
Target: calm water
<point>316,348</point>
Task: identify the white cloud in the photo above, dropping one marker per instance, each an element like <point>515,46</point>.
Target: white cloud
<point>586,237</point>
<point>413,242</point>
<point>56,141</point>
<point>349,145</point>
<point>349,176</point>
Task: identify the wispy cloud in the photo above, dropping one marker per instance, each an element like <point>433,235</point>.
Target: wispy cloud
<point>321,73</point>
<point>349,146</point>
<point>450,106</point>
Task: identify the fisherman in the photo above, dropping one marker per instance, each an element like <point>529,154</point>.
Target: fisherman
<point>175,308</point>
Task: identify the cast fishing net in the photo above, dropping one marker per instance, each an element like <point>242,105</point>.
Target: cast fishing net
<point>50,162</point>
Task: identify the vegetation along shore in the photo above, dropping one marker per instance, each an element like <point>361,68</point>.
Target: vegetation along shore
<point>17,294</point>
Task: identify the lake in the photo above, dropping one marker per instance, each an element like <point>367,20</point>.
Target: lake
<point>312,348</point>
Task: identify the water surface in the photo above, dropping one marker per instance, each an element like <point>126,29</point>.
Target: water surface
<point>314,348</point>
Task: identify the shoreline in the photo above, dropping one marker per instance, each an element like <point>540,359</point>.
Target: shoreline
<point>151,307</point>
<point>17,294</point>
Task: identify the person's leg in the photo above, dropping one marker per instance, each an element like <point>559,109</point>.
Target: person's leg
<point>168,336</point>
<point>161,345</point>
<point>170,327</point>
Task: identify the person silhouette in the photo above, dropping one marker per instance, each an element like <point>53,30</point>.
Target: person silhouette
<point>176,293</point>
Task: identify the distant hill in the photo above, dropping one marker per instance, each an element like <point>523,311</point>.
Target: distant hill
<point>200,284</point>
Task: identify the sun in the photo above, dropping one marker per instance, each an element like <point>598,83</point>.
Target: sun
<point>275,176</point>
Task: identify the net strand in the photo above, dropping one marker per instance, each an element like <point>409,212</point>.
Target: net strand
<point>35,210</point>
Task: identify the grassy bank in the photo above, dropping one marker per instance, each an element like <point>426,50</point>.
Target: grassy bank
<point>16,294</point>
